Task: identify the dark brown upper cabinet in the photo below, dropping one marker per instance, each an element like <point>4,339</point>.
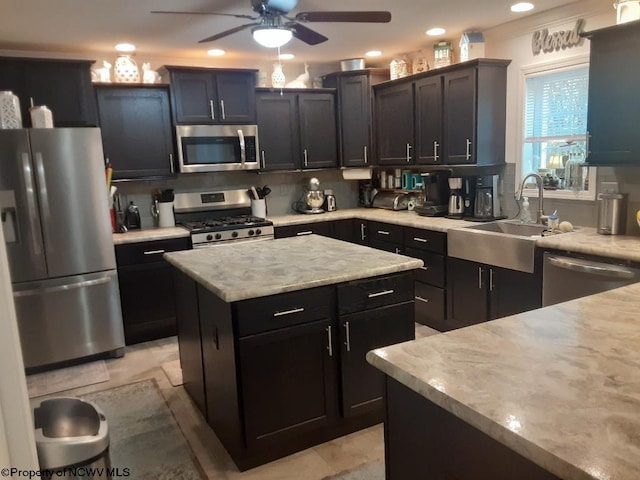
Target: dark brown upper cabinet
<point>62,85</point>
<point>205,96</point>
<point>297,129</point>
<point>614,104</point>
<point>354,102</point>
<point>452,116</point>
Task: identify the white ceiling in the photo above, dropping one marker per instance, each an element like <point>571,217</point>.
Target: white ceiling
<point>91,27</point>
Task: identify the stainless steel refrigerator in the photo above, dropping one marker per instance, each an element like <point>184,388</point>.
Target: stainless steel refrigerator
<point>55,217</point>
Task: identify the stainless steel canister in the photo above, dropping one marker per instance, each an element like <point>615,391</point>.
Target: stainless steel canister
<point>612,213</point>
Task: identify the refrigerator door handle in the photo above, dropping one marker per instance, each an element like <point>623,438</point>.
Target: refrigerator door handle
<point>44,196</point>
<point>62,288</point>
<point>31,202</point>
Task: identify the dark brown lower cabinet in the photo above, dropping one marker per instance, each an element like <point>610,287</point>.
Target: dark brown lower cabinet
<point>424,441</point>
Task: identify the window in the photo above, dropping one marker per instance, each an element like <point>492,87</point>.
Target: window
<point>555,128</point>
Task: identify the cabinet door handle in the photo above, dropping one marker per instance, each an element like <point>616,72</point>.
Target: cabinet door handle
<point>216,338</point>
<point>365,155</point>
<point>306,232</point>
<point>421,240</point>
<point>262,155</point>
<point>330,346</point>
<point>383,232</point>
<point>587,145</point>
<point>306,158</point>
<point>224,116</point>
<point>424,268</point>
<point>288,312</point>
<point>491,286</point>
<point>421,299</point>
<point>211,110</point>
<point>347,336</point>
<point>435,150</point>
<point>153,252</point>
<point>171,163</point>
<point>380,294</point>
<point>480,278</point>
<point>468,156</point>
<point>408,152</point>
<point>398,250</point>
<point>362,234</point>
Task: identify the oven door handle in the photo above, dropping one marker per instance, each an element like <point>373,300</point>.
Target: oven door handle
<point>593,268</point>
<point>243,153</point>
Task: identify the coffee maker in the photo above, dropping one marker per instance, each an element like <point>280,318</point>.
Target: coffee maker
<point>456,198</point>
<point>436,193</point>
<point>487,204</point>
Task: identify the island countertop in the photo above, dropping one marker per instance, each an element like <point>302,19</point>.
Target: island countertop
<point>245,270</point>
<point>558,385</point>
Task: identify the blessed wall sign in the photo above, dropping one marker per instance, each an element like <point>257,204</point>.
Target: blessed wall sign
<point>546,42</point>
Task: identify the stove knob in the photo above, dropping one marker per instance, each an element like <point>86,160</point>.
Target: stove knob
<point>218,236</point>
<point>209,237</point>
<point>234,234</point>
<point>258,231</point>
<point>251,233</point>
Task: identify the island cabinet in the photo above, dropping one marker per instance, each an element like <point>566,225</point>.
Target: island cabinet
<point>355,99</point>
<point>137,136</point>
<point>62,85</point>
<point>478,292</point>
<point>297,129</point>
<point>280,373</point>
<point>613,99</point>
<point>344,230</point>
<point>207,96</point>
<point>453,116</point>
<point>146,289</point>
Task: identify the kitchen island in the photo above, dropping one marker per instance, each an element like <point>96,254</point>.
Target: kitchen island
<point>273,337</point>
<point>550,393</point>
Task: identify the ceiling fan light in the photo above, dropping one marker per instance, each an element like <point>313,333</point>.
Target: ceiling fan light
<point>271,37</point>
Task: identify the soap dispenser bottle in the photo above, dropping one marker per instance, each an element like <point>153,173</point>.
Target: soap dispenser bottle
<point>525,214</point>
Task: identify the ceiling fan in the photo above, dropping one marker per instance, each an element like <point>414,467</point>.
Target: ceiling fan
<point>273,28</point>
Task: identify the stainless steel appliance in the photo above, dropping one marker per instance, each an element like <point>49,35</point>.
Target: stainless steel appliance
<point>565,277</point>
<point>312,198</point>
<point>215,148</point>
<point>487,203</point>
<point>330,201</point>
<point>436,193</point>
<point>612,213</point>
<point>220,217</point>
<point>456,199</point>
<point>392,200</point>
<point>55,216</point>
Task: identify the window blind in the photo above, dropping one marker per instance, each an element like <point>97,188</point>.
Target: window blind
<point>556,105</point>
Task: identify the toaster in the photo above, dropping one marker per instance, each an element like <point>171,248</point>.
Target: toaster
<point>392,200</point>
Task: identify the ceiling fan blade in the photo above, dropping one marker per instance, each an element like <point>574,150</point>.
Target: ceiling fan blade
<point>227,32</point>
<point>206,13</point>
<point>306,35</point>
<point>361,17</point>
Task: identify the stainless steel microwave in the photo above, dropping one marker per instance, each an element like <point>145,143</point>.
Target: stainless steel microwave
<point>217,148</point>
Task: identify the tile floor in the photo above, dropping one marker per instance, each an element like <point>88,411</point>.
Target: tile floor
<point>145,360</point>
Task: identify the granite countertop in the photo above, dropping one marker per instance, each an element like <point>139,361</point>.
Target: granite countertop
<point>150,234</point>
<point>246,270</point>
<point>559,385</point>
<point>587,240</point>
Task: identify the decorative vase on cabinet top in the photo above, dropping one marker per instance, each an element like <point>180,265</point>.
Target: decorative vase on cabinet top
<point>10,116</point>
<point>277,77</point>
<point>126,70</point>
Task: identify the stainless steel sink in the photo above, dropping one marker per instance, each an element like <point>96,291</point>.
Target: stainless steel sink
<point>504,243</point>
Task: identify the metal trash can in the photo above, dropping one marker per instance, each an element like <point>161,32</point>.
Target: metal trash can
<point>72,436</point>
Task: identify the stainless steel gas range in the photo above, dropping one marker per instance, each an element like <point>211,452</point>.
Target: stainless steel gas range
<point>220,217</point>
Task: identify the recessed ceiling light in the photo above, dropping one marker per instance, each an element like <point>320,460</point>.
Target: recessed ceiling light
<point>216,52</point>
<point>373,53</point>
<point>125,47</point>
<point>435,31</point>
<point>522,7</point>
<point>286,56</point>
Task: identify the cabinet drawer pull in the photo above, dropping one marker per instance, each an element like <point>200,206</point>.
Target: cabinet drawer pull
<point>421,240</point>
<point>421,299</point>
<point>379,294</point>
<point>347,336</point>
<point>330,346</point>
<point>288,312</point>
<point>362,234</point>
<point>211,107</point>
<point>153,252</point>
<point>382,232</point>
<point>306,232</point>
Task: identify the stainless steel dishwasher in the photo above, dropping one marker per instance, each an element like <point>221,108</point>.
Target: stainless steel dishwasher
<point>565,277</point>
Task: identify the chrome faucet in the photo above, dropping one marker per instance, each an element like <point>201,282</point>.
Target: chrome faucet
<point>541,217</point>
